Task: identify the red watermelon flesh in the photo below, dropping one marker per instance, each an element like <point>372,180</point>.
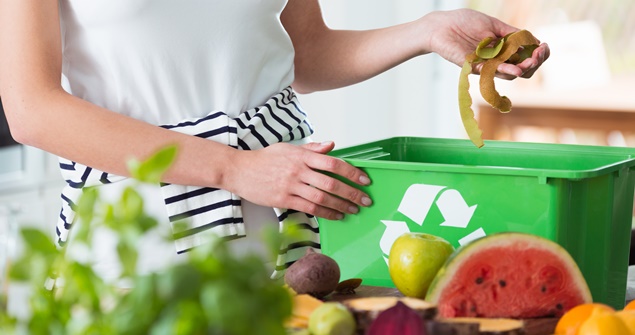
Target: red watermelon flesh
<point>510,275</point>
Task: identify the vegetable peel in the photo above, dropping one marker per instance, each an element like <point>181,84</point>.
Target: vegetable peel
<point>485,52</point>
<point>465,104</point>
<point>512,48</point>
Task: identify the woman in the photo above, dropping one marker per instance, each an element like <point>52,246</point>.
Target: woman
<point>132,66</point>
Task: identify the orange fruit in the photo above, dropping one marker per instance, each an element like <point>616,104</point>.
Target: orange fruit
<point>603,323</point>
<point>628,317</point>
<point>630,306</point>
<point>571,321</point>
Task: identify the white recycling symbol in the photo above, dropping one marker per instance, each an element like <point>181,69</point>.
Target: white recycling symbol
<point>416,204</point>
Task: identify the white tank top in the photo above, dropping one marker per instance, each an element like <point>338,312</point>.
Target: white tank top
<point>163,61</point>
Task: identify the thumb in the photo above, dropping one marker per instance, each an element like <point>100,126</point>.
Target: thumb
<point>322,148</point>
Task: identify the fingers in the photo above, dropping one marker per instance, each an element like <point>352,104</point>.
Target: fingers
<point>328,196</point>
<point>504,71</point>
<point>527,68</point>
<point>346,198</point>
<point>312,208</point>
<point>321,148</point>
<point>336,166</point>
<point>322,203</point>
<point>530,65</point>
<point>508,71</point>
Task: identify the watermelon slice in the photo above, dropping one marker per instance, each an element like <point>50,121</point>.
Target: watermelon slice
<point>508,275</point>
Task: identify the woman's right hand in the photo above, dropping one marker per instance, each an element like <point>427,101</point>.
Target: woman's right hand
<point>289,176</point>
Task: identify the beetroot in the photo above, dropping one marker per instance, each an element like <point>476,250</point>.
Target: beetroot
<point>314,273</point>
<point>399,319</point>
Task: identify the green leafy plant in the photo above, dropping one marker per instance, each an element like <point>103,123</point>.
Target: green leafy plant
<point>214,292</point>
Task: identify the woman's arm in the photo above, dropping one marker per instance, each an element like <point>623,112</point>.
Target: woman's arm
<point>328,59</point>
<point>41,114</point>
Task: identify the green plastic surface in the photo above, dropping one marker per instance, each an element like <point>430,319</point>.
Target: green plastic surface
<point>578,196</point>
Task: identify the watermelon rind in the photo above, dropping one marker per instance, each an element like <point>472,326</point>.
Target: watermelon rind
<point>514,240</point>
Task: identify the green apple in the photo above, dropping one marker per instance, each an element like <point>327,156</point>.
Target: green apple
<point>414,260</point>
<point>332,318</point>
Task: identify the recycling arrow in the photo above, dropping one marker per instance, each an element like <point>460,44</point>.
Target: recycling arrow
<point>393,230</point>
<point>454,209</point>
<point>472,236</point>
<point>417,200</point>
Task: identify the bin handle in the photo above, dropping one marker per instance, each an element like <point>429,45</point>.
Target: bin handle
<point>368,154</point>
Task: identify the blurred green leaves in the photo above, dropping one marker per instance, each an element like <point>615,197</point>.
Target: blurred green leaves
<point>213,292</point>
<point>152,169</point>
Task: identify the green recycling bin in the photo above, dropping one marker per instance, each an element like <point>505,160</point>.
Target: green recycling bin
<point>578,196</point>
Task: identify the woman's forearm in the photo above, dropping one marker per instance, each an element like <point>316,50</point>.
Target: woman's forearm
<point>348,57</point>
<point>328,59</point>
<point>80,131</point>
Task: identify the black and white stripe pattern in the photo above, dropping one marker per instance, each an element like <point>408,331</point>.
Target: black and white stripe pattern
<point>202,212</point>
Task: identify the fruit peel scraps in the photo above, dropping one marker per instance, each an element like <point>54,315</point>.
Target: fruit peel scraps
<point>512,48</point>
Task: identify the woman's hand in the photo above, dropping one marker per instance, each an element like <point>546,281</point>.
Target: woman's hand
<point>455,34</point>
<point>288,176</point>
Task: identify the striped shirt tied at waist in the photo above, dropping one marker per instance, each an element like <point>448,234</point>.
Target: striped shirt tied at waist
<point>203,213</point>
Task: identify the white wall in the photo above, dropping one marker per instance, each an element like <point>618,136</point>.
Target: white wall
<point>418,98</point>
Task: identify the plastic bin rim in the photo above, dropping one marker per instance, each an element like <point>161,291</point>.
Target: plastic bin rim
<point>496,170</point>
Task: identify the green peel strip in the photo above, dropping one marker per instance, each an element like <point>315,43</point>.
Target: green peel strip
<point>465,104</point>
<point>484,52</point>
